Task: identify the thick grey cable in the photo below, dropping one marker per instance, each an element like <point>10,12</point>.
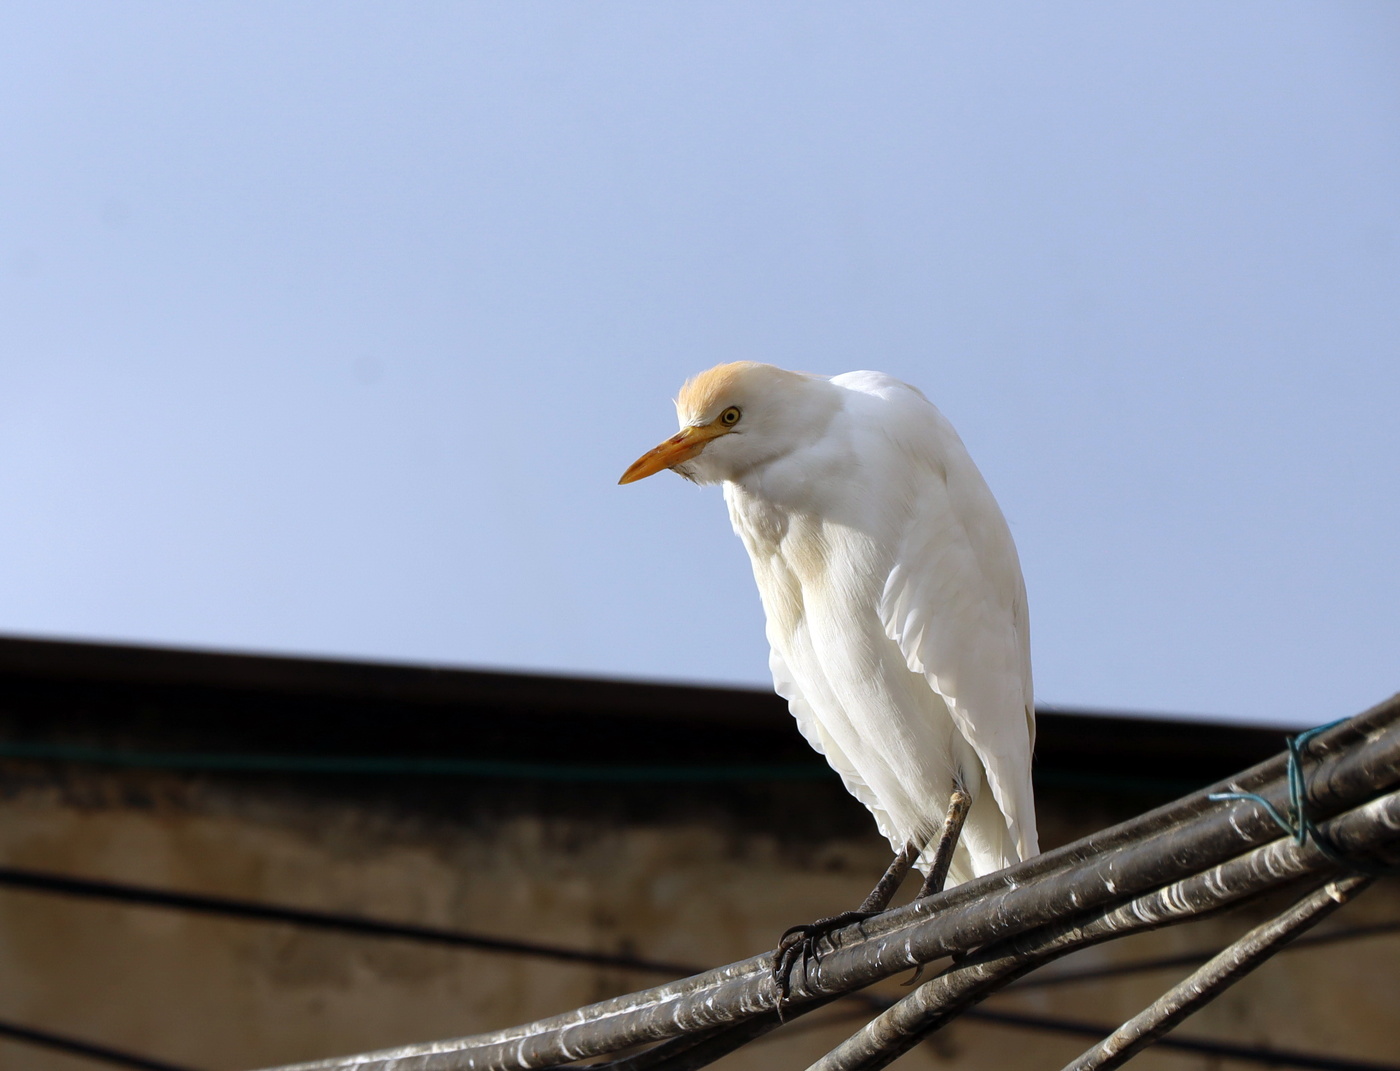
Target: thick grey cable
<point>911,1020</point>
<point>1207,983</point>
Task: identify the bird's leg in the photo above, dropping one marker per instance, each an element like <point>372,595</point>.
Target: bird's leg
<point>958,804</point>
<point>799,942</point>
<point>888,885</point>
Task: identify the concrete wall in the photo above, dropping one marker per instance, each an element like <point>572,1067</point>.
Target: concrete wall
<point>697,875</point>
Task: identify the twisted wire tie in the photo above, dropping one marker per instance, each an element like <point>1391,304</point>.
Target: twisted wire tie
<point>1299,824</point>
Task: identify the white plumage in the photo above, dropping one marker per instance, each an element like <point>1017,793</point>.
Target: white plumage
<point>896,611</point>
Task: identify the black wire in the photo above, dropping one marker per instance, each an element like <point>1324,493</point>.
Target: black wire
<point>1195,959</point>
<point>42,881</point>
<point>85,1048</point>
<point>1224,1049</point>
<point>1245,1053</point>
<point>39,881</point>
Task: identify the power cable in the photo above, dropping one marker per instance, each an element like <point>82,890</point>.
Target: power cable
<point>92,1051</point>
<point>232,907</point>
<point>39,881</point>
<point>1193,959</point>
<point>1257,1054</point>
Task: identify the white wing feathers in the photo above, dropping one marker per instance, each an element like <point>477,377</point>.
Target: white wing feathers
<point>955,603</point>
<point>810,726</point>
<point>972,654</point>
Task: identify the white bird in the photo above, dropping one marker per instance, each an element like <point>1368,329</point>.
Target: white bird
<point>896,610</point>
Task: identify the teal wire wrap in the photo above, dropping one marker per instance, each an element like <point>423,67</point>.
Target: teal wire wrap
<point>1299,824</point>
<point>1283,823</point>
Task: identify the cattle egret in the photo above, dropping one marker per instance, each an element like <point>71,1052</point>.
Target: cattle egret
<point>896,611</point>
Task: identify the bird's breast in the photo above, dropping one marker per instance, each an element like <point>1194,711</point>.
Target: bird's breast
<point>804,562</point>
<point>761,524</point>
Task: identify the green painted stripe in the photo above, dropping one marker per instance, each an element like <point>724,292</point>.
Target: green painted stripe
<point>355,764</point>
<point>521,771</point>
<point>1140,786</point>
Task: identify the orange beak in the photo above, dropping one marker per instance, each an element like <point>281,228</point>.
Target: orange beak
<point>676,450</point>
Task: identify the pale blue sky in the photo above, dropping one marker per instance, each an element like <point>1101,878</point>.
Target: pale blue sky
<point>329,328</point>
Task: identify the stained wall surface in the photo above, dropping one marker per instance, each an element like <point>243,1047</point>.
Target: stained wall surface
<point>218,994</point>
<point>690,873</point>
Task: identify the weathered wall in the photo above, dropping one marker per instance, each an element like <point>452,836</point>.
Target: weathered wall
<point>691,875</point>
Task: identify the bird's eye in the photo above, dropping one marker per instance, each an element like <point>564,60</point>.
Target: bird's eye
<point>730,416</point>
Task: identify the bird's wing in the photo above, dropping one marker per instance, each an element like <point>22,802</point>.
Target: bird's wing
<point>955,601</point>
<point>810,726</point>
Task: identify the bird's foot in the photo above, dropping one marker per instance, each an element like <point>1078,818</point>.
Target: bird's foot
<point>799,943</point>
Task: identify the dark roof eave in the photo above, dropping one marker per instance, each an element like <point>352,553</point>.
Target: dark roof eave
<point>405,704</point>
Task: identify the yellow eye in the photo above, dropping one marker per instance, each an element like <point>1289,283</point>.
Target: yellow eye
<point>730,416</point>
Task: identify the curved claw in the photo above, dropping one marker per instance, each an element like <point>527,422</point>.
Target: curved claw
<point>788,954</point>
<point>801,942</point>
<point>827,926</point>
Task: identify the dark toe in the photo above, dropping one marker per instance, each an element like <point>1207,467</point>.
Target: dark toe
<point>800,942</point>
